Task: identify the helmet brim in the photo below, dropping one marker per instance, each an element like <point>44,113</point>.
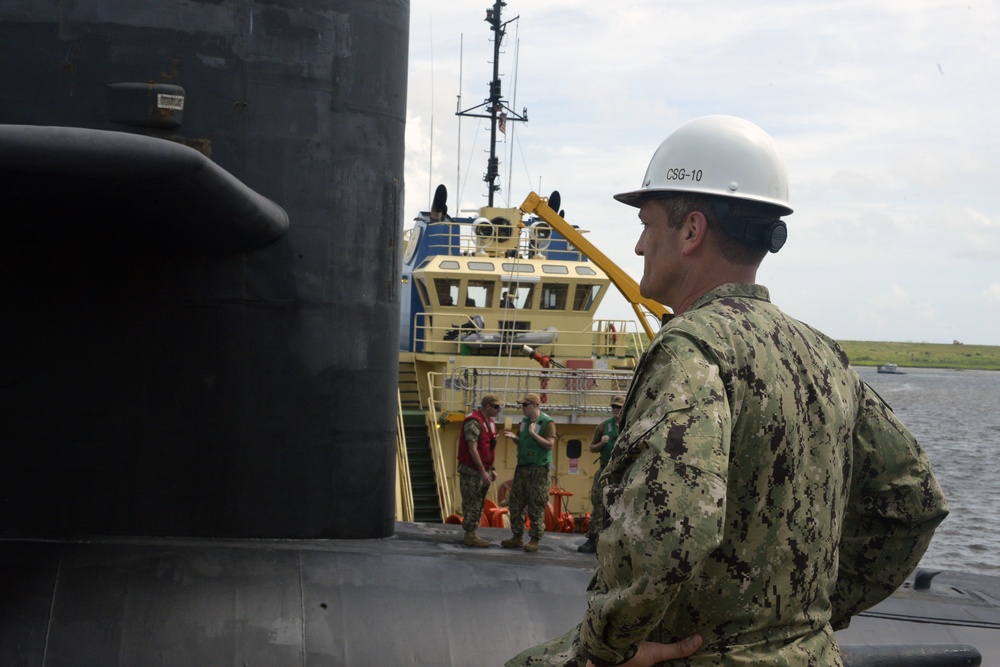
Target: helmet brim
<point>633,198</point>
<point>636,198</point>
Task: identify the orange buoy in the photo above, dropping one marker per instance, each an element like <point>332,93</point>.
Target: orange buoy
<point>503,491</point>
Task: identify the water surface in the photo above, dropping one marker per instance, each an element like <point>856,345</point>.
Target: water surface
<point>955,416</point>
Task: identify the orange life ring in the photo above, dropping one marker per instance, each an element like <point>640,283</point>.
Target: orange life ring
<point>502,491</point>
<point>486,518</point>
<point>501,518</point>
<point>551,520</point>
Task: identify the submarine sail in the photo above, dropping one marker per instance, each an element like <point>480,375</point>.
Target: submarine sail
<point>200,220</point>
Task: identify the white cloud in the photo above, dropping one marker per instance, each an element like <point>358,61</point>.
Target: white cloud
<point>992,293</point>
<point>895,303</point>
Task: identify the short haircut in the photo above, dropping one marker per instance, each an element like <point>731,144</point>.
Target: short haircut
<point>733,249</point>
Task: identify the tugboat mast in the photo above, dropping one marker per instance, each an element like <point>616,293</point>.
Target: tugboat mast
<point>494,107</point>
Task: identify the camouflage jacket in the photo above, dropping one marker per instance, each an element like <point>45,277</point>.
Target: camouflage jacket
<point>759,494</point>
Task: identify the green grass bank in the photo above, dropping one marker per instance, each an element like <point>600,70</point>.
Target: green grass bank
<point>923,355</point>
<point>920,355</point>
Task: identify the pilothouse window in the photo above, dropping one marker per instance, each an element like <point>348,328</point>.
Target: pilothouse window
<point>447,291</point>
<point>554,296</point>
<point>584,297</point>
<point>422,290</point>
<point>510,267</point>
<point>481,266</point>
<point>480,294</point>
<point>520,295</point>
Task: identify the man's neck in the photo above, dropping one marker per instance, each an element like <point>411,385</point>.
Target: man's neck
<point>703,284</point>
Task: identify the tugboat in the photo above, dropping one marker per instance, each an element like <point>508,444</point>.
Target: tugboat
<point>499,301</point>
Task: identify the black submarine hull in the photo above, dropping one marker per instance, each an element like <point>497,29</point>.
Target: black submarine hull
<point>200,224</point>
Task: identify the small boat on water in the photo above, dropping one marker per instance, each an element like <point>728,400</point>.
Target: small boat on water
<point>891,369</point>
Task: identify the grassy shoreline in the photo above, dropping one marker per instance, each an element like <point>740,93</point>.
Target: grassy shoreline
<point>923,355</point>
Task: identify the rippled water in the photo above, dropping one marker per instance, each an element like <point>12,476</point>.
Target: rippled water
<point>955,415</point>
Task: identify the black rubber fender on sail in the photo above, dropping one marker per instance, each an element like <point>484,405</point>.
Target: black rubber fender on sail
<point>78,187</point>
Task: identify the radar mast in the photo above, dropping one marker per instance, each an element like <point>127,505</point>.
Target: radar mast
<point>495,107</point>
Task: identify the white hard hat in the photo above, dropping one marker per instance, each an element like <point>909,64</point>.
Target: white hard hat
<point>716,155</point>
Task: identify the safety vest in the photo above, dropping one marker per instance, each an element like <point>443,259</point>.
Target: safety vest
<point>529,452</point>
<point>487,441</point>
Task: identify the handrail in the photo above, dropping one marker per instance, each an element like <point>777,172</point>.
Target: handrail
<point>404,483</point>
<point>437,457</point>
<point>457,238</point>
<point>576,393</point>
<point>429,335</point>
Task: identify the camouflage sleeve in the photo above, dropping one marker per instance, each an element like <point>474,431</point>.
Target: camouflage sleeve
<point>470,430</point>
<point>666,498</point>
<point>894,506</point>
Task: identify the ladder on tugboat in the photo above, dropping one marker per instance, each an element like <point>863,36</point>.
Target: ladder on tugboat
<point>426,501</point>
<point>419,443</point>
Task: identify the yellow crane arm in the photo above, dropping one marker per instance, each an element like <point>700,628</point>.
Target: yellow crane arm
<point>623,281</point>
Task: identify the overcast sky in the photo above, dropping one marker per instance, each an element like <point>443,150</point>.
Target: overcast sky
<point>886,113</point>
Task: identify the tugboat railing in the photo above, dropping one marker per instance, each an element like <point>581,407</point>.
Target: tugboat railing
<point>576,395</point>
<point>441,333</point>
<point>459,238</point>
<point>437,456</point>
<point>404,483</point>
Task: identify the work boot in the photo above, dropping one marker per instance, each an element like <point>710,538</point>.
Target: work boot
<point>514,542</point>
<point>472,539</point>
<point>532,546</point>
<point>588,547</point>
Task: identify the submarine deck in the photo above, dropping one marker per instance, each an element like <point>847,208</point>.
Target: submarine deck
<point>419,597</point>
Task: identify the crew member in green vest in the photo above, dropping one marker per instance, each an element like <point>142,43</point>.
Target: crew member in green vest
<point>536,436</point>
<point>604,441</point>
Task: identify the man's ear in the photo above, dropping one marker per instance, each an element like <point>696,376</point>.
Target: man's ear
<point>693,232</point>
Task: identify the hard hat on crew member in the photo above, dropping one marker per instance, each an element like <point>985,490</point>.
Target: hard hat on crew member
<point>716,155</point>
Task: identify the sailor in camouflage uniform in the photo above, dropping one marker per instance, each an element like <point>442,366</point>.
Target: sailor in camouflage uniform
<point>476,454</point>
<point>602,443</point>
<point>760,494</point>
<point>536,436</point>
